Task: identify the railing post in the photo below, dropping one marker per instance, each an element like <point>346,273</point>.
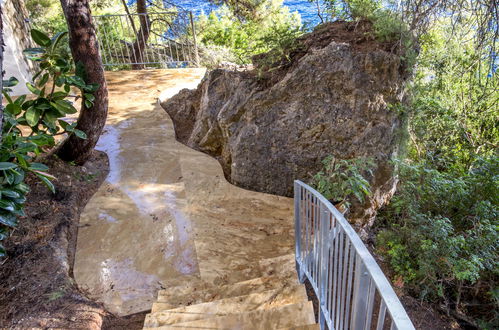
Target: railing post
<point>298,211</point>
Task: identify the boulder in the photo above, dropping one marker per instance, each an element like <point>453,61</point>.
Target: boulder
<point>268,127</point>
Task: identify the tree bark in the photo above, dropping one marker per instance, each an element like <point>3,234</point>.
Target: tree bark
<point>85,50</point>
<point>142,36</point>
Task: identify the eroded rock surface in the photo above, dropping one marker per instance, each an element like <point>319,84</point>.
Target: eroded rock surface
<point>332,99</point>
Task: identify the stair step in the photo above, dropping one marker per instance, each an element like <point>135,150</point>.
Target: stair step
<point>255,301</point>
<point>177,297</point>
<point>304,327</point>
<point>280,317</point>
<point>278,265</point>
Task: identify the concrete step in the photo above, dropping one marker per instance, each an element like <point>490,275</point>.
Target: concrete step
<point>185,296</point>
<point>255,301</point>
<point>280,317</point>
<point>279,265</point>
<point>314,326</point>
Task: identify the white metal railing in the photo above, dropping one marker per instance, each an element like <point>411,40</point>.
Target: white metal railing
<point>352,290</point>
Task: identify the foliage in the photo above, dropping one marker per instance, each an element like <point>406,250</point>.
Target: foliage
<point>440,231</point>
<point>271,27</point>
<point>30,125</point>
<point>47,15</point>
<point>344,179</point>
<point>243,9</point>
<point>456,91</point>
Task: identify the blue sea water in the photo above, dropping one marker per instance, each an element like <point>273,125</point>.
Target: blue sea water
<point>304,7</point>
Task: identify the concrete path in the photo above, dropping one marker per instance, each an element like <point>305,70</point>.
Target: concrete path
<point>166,216</point>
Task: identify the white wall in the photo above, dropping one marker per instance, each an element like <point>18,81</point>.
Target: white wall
<point>16,39</point>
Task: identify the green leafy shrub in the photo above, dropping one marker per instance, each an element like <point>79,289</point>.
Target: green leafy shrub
<point>245,38</point>
<point>344,179</point>
<point>30,125</point>
<point>443,230</point>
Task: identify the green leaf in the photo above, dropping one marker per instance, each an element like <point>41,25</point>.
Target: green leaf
<point>88,104</point>
<point>80,134</point>
<point>89,97</point>
<point>32,116</point>
<point>57,38</point>
<point>34,54</point>
<point>64,107</point>
<point>38,167</point>
<point>21,160</point>
<point>50,117</point>
<point>59,96</point>
<point>42,140</point>
<point>7,205</point>
<point>8,219</point>
<point>76,81</point>
<point>33,89</point>
<point>22,187</point>
<point>3,253</point>
<point>40,38</point>
<point>13,108</point>
<point>7,166</point>
<point>11,82</point>
<point>43,80</point>
<point>4,233</point>
<point>63,124</point>
<point>91,88</point>
<point>46,181</point>
<point>62,63</point>
<point>60,81</point>
<point>20,100</point>
<point>10,193</point>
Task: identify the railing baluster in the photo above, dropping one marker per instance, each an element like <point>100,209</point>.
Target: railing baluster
<point>381,315</point>
<point>316,241</point>
<point>344,281</point>
<point>370,304</point>
<point>340,278</point>
<point>322,272</point>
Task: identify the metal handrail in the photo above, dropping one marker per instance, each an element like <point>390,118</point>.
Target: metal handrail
<point>352,290</point>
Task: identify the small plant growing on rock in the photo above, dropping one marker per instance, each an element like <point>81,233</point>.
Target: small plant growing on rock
<point>343,179</point>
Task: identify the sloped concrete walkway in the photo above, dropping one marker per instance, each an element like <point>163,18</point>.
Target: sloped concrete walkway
<point>166,216</point>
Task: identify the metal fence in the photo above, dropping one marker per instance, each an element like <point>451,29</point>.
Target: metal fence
<point>153,40</point>
<point>352,290</point>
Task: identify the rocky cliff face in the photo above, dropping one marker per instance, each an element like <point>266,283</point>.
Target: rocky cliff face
<point>331,99</point>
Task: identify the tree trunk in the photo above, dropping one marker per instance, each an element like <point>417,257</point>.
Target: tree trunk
<point>142,36</point>
<point>85,50</point>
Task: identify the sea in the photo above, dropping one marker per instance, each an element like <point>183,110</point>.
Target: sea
<point>306,9</point>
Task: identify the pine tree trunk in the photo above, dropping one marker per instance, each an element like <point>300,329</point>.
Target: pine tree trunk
<point>142,35</point>
<point>85,50</point>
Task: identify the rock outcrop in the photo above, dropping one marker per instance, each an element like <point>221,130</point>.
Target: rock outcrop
<point>332,98</point>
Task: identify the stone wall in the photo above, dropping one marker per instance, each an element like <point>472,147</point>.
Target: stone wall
<point>332,99</point>
<point>17,38</point>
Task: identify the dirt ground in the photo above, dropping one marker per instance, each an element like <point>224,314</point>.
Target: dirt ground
<point>37,289</point>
